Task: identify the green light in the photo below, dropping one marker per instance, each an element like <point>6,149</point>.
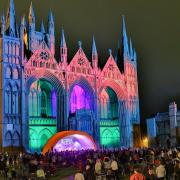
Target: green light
<point>39,135</point>
<point>109,136</point>
<point>42,112</point>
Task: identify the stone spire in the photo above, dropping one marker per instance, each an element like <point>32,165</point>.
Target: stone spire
<point>125,40</point>
<point>10,19</point>
<point>94,54</point>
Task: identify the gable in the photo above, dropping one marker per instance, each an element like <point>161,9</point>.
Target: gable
<point>80,63</point>
<point>42,58</point>
<point>111,69</point>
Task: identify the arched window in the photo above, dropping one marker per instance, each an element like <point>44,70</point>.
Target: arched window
<point>8,72</point>
<point>6,47</point>
<point>15,100</point>
<point>16,139</point>
<point>15,73</point>
<point>8,139</point>
<point>7,99</point>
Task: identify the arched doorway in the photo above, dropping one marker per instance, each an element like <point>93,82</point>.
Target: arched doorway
<point>109,118</point>
<point>81,108</point>
<point>42,101</point>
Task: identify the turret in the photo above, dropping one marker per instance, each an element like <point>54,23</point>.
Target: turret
<point>42,28</point>
<point>31,18</point>
<point>10,20</point>
<point>23,32</point>
<point>3,24</point>
<point>63,49</point>
<point>131,53</point>
<point>51,33</point>
<point>22,26</point>
<point>125,41</point>
<point>94,54</point>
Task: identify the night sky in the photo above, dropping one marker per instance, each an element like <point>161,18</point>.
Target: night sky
<point>153,25</point>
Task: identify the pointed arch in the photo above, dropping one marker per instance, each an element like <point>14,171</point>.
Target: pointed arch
<point>106,137</point>
<point>118,89</point>
<point>8,72</point>
<point>15,73</point>
<point>16,139</point>
<point>44,135</point>
<point>86,91</point>
<point>15,99</point>
<point>8,98</point>
<point>8,139</point>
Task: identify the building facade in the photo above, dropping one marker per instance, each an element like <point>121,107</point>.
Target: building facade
<point>41,95</point>
<point>164,128</point>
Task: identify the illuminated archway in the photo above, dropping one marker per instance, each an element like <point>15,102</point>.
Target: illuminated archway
<point>109,118</point>
<point>42,113</point>
<point>81,96</point>
<point>45,94</point>
<point>70,140</point>
<point>81,106</point>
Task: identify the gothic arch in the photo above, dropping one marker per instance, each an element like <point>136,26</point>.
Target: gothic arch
<point>82,82</point>
<point>120,92</point>
<point>60,115</point>
<point>15,98</point>
<point>16,139</point>
<point>8,98</point>
<point>47,76</point>
<point>44,135</point>
<point>8,72</point>
<point>45,131</point>
<point>8,138</point>
<point>15,73</point>
<point>85,85</point>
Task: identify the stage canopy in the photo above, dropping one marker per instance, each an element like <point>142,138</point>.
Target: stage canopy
<point>70,141</point>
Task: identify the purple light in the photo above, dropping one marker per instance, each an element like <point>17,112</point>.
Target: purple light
<point>74,143</point>
<point>53,103</point>
<point>79,99</point>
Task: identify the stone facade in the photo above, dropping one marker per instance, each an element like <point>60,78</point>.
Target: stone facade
<point>41,95</point>
<point>164,128</point>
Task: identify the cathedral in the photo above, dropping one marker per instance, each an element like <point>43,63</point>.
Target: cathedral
<point>42,95</point>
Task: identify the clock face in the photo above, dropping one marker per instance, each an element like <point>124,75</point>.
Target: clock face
<point>44,55</point>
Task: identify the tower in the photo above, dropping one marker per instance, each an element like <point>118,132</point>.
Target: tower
<point>31,23</point>
<point>51,32</point>
<point>130,73</point>
<point>11,81</point>
<point>63,50</point>
<point>10,19</point>
<point>94,55</point>
<point>3,24</point>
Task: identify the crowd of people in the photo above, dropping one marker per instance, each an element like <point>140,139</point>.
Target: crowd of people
<point>137,164</point>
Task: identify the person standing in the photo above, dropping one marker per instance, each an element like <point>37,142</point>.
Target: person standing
<point>137,175</point>
<point>161,171</point>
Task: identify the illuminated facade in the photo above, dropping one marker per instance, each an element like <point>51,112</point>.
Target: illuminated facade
<point>41,96</point>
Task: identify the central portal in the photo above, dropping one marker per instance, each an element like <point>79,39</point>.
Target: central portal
<point>81,114</point>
